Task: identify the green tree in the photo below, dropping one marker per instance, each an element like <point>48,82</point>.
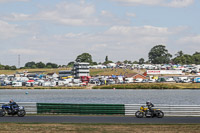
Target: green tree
<point>141,61</point>
<point>13,68</point>
<point>107,62</point>
<point>184,59</point>
<point>196,53</point>
<point>135,62</point>
<point>70,64</point>
<point>125,62</point>
<point>7,67</point>
<point>30,64</point>
<point>40,65</point>
<point>188,59</point>
<point>94,63</point>
<point>106,59</point>
<point>51,65</point>
<point>179,54</point>
<point>196,58</point>
<point>85,57</point>
<point>1,67</point>
<point>159,55</point>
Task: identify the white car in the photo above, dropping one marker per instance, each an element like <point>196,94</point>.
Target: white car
<point>138,80</point>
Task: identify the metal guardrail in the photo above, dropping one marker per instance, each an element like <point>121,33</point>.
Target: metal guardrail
<point>129,109</point>
<point>30,107</point>
<point>169,110</point>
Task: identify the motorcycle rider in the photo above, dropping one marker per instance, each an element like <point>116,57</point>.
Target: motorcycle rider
<point>150,105</point>
<point>13,105</point>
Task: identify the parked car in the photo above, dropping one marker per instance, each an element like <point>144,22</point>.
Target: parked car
<point>138,80</point>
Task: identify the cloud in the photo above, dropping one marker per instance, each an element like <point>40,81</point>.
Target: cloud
<point>119,42</point>
<point>192,39</point>
<point>9,30</point>
<point>130,14</point>
<point>6,1</point>
<point>142,30</point>
<point>17,17</point>
<point>180,3</point>
<point>168,3</point>
<point>73,14</point>
<point>24,51</point>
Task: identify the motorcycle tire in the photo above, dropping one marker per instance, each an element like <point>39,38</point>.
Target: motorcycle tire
<point>160,114</point>
<point>2,113</point>
<point>139,114</point>
<point>21,113</point>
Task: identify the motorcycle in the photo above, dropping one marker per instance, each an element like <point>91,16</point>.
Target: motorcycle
<point>144,111</point>
<point>17,110</point>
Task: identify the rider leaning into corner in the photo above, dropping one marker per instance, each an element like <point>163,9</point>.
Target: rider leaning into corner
<point>149,105</point>
<point>12,104</point>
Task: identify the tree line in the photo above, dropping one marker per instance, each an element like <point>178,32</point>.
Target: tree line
<point>157,55</point>
<point>33,65</point>
<point>7,67</point>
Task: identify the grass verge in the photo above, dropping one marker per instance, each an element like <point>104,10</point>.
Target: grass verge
<point>99,128</point>
<point>151,86</point>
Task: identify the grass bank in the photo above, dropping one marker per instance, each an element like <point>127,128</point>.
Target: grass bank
<point>98,128</point>
<point>151,86</point>
<point>41,70</point>
<point>93,72</point>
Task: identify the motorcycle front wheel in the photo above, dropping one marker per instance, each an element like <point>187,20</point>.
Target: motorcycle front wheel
<point>139,114</point>
<point>160,114</point>
<point>21,113</point>
<point>2,113</point>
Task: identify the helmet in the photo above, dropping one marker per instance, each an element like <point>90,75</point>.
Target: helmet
<point>11,101</point>
<point>148,102</point>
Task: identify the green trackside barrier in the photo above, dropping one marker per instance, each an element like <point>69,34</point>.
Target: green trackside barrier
<point>60,108</point>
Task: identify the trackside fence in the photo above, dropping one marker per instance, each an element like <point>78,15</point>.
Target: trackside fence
<point>104,109</point>
<point>58,108</point>
<point>169,110</point>
<point>30,107</point>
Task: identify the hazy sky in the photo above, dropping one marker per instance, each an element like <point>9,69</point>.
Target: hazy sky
<point>59,30</point>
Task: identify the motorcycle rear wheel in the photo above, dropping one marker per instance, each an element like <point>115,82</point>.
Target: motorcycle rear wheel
<point>21,113</point>
<point>160,114</point>
<point>139,114</point>
<point>2,113</point>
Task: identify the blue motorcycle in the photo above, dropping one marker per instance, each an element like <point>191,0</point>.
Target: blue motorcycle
<point>17,110</point>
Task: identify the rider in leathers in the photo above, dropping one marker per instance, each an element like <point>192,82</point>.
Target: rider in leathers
<point>150,105</point>
<point>13,105</point>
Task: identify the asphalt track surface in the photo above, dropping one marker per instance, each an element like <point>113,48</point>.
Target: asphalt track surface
<point>100,119</point>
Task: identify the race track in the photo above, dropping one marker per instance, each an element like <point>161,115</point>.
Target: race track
<point>100,119</point>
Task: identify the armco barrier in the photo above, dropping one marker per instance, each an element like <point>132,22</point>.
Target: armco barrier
<point>30,107</point>
<point>108,109</point>
<point>169,110</point>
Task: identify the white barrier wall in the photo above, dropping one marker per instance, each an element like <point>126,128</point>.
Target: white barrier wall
<point>30,107</point>
<point>169,110</point>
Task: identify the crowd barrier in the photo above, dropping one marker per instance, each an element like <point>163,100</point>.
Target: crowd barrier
<point>104,109</point>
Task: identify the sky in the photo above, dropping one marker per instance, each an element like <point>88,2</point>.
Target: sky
<point>58,31</point>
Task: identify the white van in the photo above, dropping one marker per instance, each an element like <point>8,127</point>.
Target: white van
<point>16,84</point>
